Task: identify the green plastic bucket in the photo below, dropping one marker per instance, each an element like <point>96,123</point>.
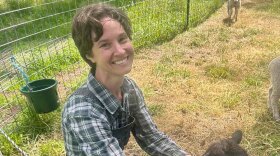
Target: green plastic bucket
<point>43,96</point>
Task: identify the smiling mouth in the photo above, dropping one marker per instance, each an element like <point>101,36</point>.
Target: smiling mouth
<point>120,61</point>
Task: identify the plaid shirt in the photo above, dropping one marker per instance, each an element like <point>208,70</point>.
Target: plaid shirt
<point>88,121</point>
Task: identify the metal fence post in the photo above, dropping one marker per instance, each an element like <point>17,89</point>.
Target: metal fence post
<point>188,15</point>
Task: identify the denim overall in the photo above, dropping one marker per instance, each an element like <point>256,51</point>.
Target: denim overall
<point>122,134</point>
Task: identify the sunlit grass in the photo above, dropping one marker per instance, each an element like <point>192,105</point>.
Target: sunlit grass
<point>227,85</point>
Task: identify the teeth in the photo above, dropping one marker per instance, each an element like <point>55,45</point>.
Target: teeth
<point>120,62</point>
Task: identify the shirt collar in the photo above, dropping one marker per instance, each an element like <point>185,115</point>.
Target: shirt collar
<point>110,102</point>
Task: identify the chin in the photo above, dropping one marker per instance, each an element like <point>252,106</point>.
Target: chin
<point>127,71</point>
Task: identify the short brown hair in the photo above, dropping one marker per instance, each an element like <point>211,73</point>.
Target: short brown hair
<point>87,20</point>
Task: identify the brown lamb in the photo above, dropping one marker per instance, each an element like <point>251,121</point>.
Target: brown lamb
<point>227,147</point>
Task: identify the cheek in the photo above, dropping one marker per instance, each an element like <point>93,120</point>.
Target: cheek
<point>129,48</point>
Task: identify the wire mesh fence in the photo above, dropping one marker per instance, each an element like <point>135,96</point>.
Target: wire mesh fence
<point>37,34</point>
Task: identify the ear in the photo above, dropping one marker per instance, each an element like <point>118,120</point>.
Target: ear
<point>237,136</point>
<point>91,58</point>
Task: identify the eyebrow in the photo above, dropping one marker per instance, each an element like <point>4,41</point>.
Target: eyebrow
<point>101,41</point>
<point>123,34</point>
<point>105,40</point>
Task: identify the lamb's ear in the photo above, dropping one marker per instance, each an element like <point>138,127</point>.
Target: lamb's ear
<point>237,136</point>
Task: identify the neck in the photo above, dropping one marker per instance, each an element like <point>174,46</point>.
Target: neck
<point>112,83</point>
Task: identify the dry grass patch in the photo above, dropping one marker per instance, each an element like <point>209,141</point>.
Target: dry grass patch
<point>212,80</point>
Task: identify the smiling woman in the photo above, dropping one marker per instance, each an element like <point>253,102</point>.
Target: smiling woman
<point>98,117</point>
<point>113,52</point>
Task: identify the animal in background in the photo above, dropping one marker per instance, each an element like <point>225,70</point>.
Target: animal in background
<point>233,4</point>
<point>274,90</point>
<point>227,147</point>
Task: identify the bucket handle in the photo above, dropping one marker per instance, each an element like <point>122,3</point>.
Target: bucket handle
<point>23,74</point>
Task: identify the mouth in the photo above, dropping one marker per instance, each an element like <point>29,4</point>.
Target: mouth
<point>121,61</point>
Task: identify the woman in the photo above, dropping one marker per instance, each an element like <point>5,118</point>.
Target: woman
<point>97,118</point>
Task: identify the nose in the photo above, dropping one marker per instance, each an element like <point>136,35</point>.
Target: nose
<point>118,48</point>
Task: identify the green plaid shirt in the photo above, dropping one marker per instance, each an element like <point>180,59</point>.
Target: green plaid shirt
<point>88,121</point>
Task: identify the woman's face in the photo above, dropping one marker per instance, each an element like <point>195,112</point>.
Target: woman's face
<point>113,52</point>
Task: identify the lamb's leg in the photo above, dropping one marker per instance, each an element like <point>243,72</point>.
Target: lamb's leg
<point>229,7</point>
<point>274,105</point>
<point>269,99</point>
<point>274,67</point>
<point>236,13</point>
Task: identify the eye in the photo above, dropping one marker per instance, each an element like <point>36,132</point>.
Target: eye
<point>123,39</point>
<point>104,45</point>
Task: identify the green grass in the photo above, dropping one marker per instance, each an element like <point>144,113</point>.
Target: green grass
<point>219,71</point>
<point>51,147</point>
<point>156,27</point>
<point>168,68</point>
<point>201,10</point>
<point>7,148</point>
<point>156,109</point>
<point>2,99</point>
<point>230,100</point>
<point>272,6</point>
<point>264,136</point>
<point>156,21</point>
<point>56,60</point>
<point>171,71</point>
<point>53,20</point>
<point>148,90</point>
<point>40,23</point>
<point>224,35</point>
<point>254,80</point>
<point>199,39</point>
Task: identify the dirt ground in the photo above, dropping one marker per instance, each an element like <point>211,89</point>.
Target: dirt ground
<point>192,110</point>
